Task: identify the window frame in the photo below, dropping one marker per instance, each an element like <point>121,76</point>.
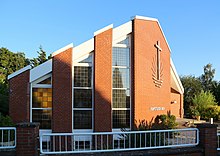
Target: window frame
<point>117,45</point>
<point>43,86</point>
<point>75,64</point>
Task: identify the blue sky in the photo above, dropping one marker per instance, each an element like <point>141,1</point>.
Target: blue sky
<point>192,27</point>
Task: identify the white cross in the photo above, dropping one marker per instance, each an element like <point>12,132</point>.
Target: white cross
<point>158,59</point>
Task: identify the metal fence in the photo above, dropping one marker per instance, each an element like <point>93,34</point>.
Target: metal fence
<point>218,136</point>
<point>61,143</point>
<point>7,137</point>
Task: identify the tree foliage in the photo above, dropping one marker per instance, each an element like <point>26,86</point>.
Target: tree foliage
<point>42,57</point>
<point>192,86</point>
<point>207,77</point>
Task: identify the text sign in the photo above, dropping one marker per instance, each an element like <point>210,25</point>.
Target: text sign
<point>157,108</point>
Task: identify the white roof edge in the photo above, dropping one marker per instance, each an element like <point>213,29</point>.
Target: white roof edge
<point>121,31</point>
<point>19,71</point>
<point>144,18</point>
<point>62,49</point>
<point>103,29</point>
<point>83,49</point>
<point>176,76</point>
<point>41,70</point>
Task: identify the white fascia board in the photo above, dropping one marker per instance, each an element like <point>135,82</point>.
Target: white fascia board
<point>121,31</point>
<point>19,72</point>
<point>175,77</point>
<point>62,49</point>
<point>103,29</point>
<point>41,70</point>
<point>83,49</point>
<point>144,18</point>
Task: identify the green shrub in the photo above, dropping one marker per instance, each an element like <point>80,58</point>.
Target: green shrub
<point>204,101</point>
<point>211,112</point>
<point>165,122</point>
<point>5,121</point>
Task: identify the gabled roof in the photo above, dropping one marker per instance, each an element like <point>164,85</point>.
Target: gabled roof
<point>88,47</point>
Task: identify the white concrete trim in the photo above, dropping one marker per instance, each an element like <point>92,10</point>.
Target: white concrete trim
<point>62,49</point>
<point>83,49</point>
<point>19,72</point>
<point>121,32</point>
<point>103,29</point>
<point>175,77</point>
<point>144,18</point>
<point>41,70</point>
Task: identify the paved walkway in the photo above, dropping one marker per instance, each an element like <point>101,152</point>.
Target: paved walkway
<point>182,122</point>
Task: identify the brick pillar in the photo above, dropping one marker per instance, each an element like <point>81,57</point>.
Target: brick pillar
<point>102,82</point>
<point>27,139</point>
<point>208,138</point>
<point>62,92</point>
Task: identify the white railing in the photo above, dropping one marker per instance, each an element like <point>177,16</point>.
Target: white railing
<point>60,143</point>
<point>7,137</point>
<point>218,136</point>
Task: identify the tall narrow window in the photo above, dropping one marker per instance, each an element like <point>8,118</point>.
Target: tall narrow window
<point>83,103</point>
<point>121,84</point>
<point>42,102</point>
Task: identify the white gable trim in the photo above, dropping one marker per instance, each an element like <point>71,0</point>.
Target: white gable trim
<point>175,78</point>
<point>41,70</point>
<point>103,29</point>
<point>83,49</point>
<point>62,49</point>
<point>19,72</point>
<point>121,32</point>
<point>144,18</point>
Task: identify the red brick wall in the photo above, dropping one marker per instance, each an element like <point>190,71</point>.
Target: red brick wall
<point>102,81</point>
<point>62,92</point>
<point>175,107</point>
<point>146,94</point>
<point>19,97</point>
<point>27,139</point>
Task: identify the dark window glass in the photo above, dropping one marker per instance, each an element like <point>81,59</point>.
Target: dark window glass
<point>46,81</point>
<point>121,118</point>
<point>82,76</point>
<point>120,57</point>
<point>42,98</point>
<point>121,98</point>
<point>87,60</point>
<point>121,78</point>
<point>126,41</point>
<point>82,119</point>
<point>82,98</point>
<point>43,117</point>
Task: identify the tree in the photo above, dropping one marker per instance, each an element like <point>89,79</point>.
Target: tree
<point>216,91</point>
<point>207,78</point>
<point>42,57</point>
<point>192,86</point>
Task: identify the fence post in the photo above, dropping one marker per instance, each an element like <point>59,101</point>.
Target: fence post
<point>208,138</point>
<point>27,139</point>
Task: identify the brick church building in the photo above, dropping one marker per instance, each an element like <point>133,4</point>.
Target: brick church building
<point>121,75</point>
